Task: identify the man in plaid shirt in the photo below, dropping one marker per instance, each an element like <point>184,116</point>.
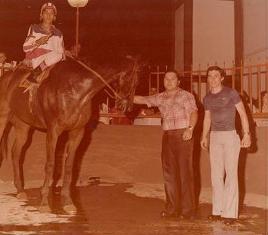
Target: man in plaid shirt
<point>179,116</point>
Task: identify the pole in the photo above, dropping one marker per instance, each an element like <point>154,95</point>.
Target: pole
<point>77,31</point>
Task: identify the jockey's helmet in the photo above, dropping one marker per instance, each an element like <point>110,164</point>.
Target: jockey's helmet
<point>48,5</point>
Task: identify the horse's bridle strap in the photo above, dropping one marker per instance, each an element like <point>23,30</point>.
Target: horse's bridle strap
<point>96,74</point>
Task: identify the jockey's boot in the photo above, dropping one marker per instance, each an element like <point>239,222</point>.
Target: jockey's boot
<point>34,74</point>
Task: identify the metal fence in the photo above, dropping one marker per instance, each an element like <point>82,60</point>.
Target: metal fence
<point>250,81</point>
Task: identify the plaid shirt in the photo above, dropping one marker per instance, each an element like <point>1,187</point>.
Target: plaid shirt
<point>175,110</point>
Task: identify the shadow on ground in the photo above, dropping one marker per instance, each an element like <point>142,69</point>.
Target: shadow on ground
<point>106,208</point>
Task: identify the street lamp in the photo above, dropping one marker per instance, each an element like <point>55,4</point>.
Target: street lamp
<point>77,4</point>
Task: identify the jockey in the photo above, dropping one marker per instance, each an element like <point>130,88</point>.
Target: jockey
<point>44,43</point>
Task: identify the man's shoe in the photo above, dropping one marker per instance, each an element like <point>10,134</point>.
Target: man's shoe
<point>166,215</point>
<point>31,79</point>
<point>34,75</point>
<point>187,217</point>
<point>214,217</point>
<point>229,221</point>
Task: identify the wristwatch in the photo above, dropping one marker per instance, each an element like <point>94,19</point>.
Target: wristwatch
<point>190,127</point>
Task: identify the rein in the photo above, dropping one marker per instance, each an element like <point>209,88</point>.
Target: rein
<point>95,73</point>
<point>134,82</point>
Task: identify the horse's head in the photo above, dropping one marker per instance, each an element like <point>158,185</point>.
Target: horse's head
<point>127,85</point>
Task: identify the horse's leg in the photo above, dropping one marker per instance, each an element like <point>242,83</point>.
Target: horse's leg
<point>52,137</point>
<point>59,166</point>
<point>21,135</point>
<point>75,137</point>
<point>4,115</point>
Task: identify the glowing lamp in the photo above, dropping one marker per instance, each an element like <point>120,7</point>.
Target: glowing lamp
<point>77,4</point>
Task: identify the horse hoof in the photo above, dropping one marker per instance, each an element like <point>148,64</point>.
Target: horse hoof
<point>44,209</point>
<point>70,209</point>
<point>22,196</point>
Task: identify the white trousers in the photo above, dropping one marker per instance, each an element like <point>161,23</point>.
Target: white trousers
<point>224,155</point>
<point>49,59</point>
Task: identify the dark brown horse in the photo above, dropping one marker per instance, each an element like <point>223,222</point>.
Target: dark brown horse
<point>61,103</point>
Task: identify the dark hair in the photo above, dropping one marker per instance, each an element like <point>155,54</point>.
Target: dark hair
<point>173,71</point>
<point>216,68</point>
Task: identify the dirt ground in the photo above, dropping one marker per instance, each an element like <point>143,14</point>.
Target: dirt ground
<point>119,193</point>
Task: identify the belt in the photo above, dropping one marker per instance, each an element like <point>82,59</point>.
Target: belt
<point>174,131</point>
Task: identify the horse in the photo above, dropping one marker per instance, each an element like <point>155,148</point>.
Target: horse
<point>61,103</point>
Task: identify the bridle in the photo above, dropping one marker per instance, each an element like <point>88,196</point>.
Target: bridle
<point>95,73</point>
<point>134,81</point>
<point>121,74</point>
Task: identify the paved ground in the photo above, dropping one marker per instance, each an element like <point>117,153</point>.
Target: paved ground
<point>121,154</point>
<point>110,209</point>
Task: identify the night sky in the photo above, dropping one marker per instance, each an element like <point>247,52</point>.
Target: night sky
<point>107,27</point>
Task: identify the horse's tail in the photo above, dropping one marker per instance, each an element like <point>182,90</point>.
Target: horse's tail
<point>4,144</point>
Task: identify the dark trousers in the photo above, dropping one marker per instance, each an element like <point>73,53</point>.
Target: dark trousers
<point>178,172</point>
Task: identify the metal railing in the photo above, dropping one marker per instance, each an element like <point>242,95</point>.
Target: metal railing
<point>251,81</point>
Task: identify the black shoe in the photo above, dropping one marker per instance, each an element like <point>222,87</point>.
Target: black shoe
<point>34,75</point>
<point>31,79</point>
<point>229,221</point>
<point>187,217</point>
<point>214,217</point>
<point>166,215</point>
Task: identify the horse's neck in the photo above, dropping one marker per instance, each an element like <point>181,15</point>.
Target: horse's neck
<point>99,84</point>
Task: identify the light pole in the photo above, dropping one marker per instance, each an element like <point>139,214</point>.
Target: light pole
<point>77,4</point>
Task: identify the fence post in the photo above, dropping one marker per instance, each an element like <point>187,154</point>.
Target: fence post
<point>150,79</point>
<point>199,81</point>
<point>157,79</point>
<point>233,75</point>
<point>250,87</point>
<point>241,77</point>
<point>259,86</point>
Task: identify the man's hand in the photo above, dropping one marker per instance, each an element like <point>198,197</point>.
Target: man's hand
<point>246,141</point>
<point>187,134</point>
<point>204,143</point>
<point>43,40</point>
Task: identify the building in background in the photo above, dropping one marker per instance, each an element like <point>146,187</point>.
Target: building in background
<point>220,31</point>
<point>230,34</point>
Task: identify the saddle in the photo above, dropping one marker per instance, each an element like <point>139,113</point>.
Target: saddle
<point>28,85</point>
